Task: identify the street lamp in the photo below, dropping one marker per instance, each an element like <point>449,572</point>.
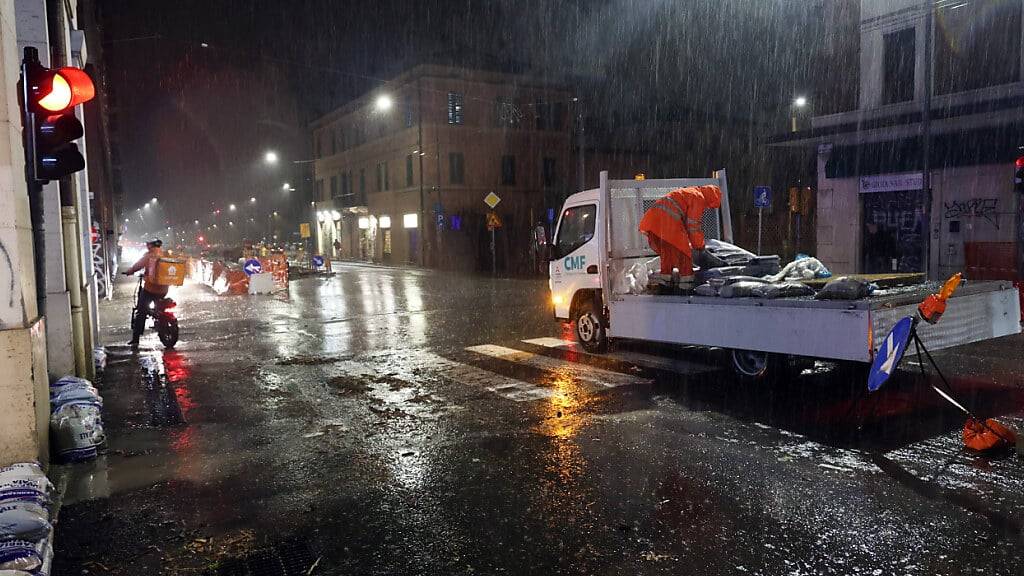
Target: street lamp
<point>799,103</point>
<point>153,200</point>
<point>270,157</point>
<point>383,103</point>
<point>252,199</point>
<point>286,187</point>
<point>231,207</point>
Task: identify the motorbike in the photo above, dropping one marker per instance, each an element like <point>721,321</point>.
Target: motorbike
<point>164,321</point>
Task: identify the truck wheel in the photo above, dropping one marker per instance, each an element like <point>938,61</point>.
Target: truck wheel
<point>754,365</point>
<point>590,332</point>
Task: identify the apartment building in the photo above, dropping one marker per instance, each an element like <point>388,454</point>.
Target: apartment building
<point>401,173</point>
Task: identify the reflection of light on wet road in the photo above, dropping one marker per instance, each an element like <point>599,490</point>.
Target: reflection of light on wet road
<point>414,304</point>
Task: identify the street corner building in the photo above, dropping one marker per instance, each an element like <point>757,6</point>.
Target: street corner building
<point>916,172</point>
<point>401,173</point>
<point>57,229</point>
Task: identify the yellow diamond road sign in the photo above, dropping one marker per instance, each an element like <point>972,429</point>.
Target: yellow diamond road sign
<point>492,200</point>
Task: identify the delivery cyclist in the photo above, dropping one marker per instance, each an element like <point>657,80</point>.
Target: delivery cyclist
<point>673,226</point>
<point>151,290</point>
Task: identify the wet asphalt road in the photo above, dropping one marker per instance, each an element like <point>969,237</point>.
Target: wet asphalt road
<point>388,421</point>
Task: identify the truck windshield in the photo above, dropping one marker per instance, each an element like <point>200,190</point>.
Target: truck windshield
<point>577,229</point>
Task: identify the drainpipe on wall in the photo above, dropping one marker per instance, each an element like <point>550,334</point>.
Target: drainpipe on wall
<point>73,277</point>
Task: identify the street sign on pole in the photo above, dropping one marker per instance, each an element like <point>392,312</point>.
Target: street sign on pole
<point>890,353</point>
<point>252,266</point>
<point>318,261</point>
<point>762,200</point>
<point>492,200</point>
<point>304,230</point>
<point>762,196</point>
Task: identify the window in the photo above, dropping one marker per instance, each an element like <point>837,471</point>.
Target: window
<point>973,52</point>
<point>455,104</point>
<point>898,67</point>
<point>344,185</point>
<point>506,113</point>
<point>334,186</point>
<point>380,176</point>
<point>408,170</point>
<point>508,170</point>
<point>350,189</point>
<point>320,145</point>
<point>550,115</point>
<point>387,184</point>
<point>576,229</point>
<point>550,173</point>
<point>319,190</point>
<point>456,168</point>
<point>409,118</point>
<point>362,182</point>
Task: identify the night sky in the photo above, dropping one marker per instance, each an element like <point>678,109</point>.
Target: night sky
<point>194,120</point>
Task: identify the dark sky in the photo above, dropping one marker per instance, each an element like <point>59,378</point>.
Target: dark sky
<point>195,120</point>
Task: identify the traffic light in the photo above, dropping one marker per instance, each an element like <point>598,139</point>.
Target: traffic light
<point>1018,175</point>
<point>48,100</point>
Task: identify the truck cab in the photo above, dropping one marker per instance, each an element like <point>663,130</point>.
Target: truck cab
<point>574,269</point>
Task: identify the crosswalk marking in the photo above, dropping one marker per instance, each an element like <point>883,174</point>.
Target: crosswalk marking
<point>677,365</point>
<point>579,372</point>
<point>504,386</point>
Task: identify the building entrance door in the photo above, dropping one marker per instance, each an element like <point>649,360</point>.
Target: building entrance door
<point>893,226</point>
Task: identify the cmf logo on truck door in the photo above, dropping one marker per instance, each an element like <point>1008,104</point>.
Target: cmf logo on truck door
<point>575,263</point>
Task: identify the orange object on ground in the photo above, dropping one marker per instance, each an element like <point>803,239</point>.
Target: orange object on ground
<point>981,438</point>
<point>673,225</point>
<point>934,305</point>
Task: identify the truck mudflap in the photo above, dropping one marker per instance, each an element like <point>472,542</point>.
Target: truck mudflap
<point>968,318</point>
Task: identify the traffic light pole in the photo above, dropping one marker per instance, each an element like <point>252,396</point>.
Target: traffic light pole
<point>35,188</point>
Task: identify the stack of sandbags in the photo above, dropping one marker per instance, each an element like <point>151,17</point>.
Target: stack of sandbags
<point>26,535</point>
<point>76,422</point>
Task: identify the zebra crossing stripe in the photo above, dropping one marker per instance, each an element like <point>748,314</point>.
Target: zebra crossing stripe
<point>579,372</point>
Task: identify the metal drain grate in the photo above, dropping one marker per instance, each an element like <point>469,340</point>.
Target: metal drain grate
<point>292,558</point>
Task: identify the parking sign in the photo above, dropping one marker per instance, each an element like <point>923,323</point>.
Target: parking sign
<point>762,196</point>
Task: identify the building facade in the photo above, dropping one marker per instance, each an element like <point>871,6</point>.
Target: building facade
<point>401,173</point>
<point>918,176</point>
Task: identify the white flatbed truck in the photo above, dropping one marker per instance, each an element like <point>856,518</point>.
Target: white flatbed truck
<point>597,240</point>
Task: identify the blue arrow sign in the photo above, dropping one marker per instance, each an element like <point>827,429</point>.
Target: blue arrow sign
<point>252,266</point>
<point>762,196</point>
<point>889,353</point>
<point>318,260</point>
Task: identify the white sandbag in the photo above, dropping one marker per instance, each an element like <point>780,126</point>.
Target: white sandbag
<point>76,396</point>
<point>99,358</point>
<point>803,268</point>
<point>23,554</point>
<point>20,520</point>
<point>76,431</point>
<point>638,275</point>
<point>25,482</point>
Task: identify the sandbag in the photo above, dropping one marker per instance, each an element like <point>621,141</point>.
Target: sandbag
<point>705,290</point>
<point>99,358</point>
<point>20,520</point>
<point>24,555</point>
<point>784,290</point>
<point>991,436</point>
<point>25,482</point>
<point>730,254</point>
<point>845,288</point>
<point>77,431</point>
<point>804,267</point>
<point>740,289</point>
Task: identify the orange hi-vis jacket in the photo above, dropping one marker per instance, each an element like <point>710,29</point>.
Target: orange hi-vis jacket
<point>676,217</point>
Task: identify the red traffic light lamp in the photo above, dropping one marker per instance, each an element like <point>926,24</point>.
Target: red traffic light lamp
<point>1018,174</point>
<point>48,99</point>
